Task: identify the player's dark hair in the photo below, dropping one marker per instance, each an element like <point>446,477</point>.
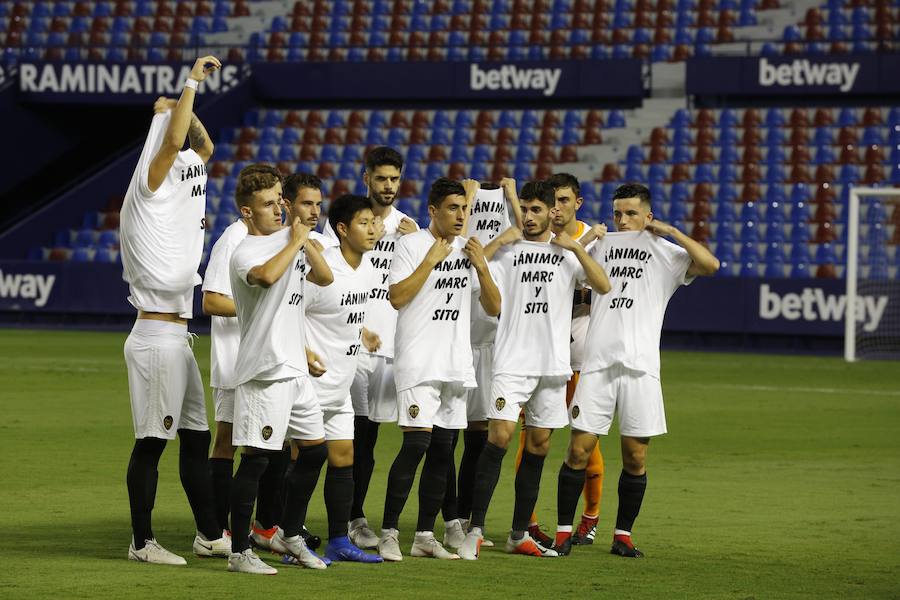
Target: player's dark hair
<point>382,155</point>
<point>253,178</point>
<point>443,187</point>
<point>539,190</point>
<point>295,181</point>
<point>345,208</point>
<point>633,190</point>
<point>563,180</point>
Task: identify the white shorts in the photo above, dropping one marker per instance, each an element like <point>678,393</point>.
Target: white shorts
<point>542,397</point>
<point>339,422</point>
<point>224,401</point>
<point>480,398</point>
<point>634,395</point>
<point>373,390</point>
<point>433,404</point>
<point>268,412</point>
<point>163,380</point>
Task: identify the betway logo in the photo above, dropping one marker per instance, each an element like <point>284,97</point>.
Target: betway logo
<point>803,72</point>
<point>27,286</point>
<point>511,77</point>
<point>813,305</point>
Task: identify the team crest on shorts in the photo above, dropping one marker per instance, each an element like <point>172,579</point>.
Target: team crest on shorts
<point>575,411</point>
<point>413,411</point>
<point>167,422</point>
<point>267,432</point>
<point>500,403</point>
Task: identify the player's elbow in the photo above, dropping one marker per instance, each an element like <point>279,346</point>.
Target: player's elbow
<point>604,288</point>
<point>207,305</point>
<point>712,267</point>
<point>394,298</point>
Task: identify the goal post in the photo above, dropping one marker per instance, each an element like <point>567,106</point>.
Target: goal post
<point>872,309</point>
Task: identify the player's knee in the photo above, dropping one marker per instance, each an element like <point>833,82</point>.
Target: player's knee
<point>194,442</point>
<point>538,445</point>
<point>499,437</point>
<point>576,457</point>
<point>340,454</point>
<point>634,460</point>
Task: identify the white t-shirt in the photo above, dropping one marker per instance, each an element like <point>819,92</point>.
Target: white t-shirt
<point>381,317</point>
<point>334,321</point>
<point>488,219</point>
<point>326,241</point>
<point>162,232</point>
<point>536,281</point>
<point>644,270</point>
<point>432,340</point>
<point>271,319</point>
<point>226,332</point>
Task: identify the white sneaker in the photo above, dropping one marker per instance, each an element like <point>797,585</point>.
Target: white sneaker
<point>470,546</point>
<point>362,535</point>
<point>261,538</point>
<point>529,547</point>
<point>454,534</point>
<point>426,546</point>
<point>152,552</point>
<point>248,562</point>
<point>207,548</point>
<point>464,523</point>
<point>389,545</point>
<point>295,546</point>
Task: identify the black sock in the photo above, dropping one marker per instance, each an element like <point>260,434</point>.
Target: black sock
<point>363,462</point>
<point>268,501</point>
<point>285,478</point>
<point>631,494</point>
<point>433,481</point>
<point>222,472</point>
<point>141,480</point>
<point>568,491</point>
<point>528,484</point>
<point>300,486</point>
<point>338,498</point>
<point>487,473</point>
<point>450,507</point>
<point>401,475</point>
<point>474,444</point>
<point>243,495</point>
<point>193,466</point>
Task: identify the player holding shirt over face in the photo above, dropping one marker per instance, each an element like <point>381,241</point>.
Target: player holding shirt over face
<point>620,373</point>
<point>273,396</point>
<point>373,391</point>
<point>162,243</point>
<point>432,284</point>
<point>537,278</point>
<point>335,333</point>
<point>489,216</point>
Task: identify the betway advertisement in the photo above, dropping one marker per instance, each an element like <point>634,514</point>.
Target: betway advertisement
<point>449,80</point>
<point>794,75</point>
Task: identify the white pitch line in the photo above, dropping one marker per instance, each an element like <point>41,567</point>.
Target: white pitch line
<point>775,388</point>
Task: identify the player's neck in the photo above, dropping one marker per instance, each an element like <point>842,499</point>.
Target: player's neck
<point>380,210</point>
<point>252,229</point>
<point>353,258</point>
<point>434,232</point>
<point>573,228</point>
<point>543,237</point>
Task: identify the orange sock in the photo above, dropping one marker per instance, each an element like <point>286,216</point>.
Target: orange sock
<point>593,482</point>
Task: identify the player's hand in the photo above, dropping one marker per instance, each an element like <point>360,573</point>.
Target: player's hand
<point>511,235</point>
<point>509,187</point>
<point>474,251</point>
<point>163,104</point>
<point>315,364</point>
<point>203,66</point>
<point>471,186</point>
<point>594,233</point>
<point>299,232</point>
<point>406,225</point>
<point>439,250</point>
<point>564,240</point>
<point>659,228</point>
<point>380,229</point>
<point>370,340</point>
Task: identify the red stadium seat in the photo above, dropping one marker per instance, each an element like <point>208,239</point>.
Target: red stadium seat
<point>703,192</point>
<point>825,213</point>
<point>704,154</point>
<point>568,154</point>
<point>824,174</point>
<point>751,154</point>
<point>848,136</point>
<point>800,155</point>
<point>874,174</point>
<point>499,171</point>
<point>680,172</point>
<point>658,154</point>
<point>751,193</point>
<point>799,174</point>
<point>823,118</point>
<point>546,155</point>
<point>244,152</point>
<point>799,136</point>
<point>356,136</point>
<point>750,173</point>
<point>700,231</point>
<point>456,171</point>
<point>751,118</point>
<point>825,193</point>
<point>813,17</point>
<point>308,152</point>
<point>825,234</point>
<point>503,154</point>
<point>610,173</point>
<point>874,155</point>
<point>872,117</point>
<point>822,271</point>
<point>325,170</point>
<point>592,135</point>
<point>658,136</point>
<point>312,136</point>
<point>333,136</point>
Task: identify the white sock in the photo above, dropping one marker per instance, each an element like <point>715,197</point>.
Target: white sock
<point>622,532</point>
<point>563,529</point>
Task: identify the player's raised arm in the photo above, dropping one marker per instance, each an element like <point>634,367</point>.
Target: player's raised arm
<point>402,292</point>
<point>179,123</point>
<point>490,294</point>
<point>511,235</point>
<point>320,273</point>
<point>703,262</point>
<point>596,275</point>
<point>218,304</point>
<point>199,139</point>
<point>471,186</point>
<point>512,196</point>
<point>266,274</point>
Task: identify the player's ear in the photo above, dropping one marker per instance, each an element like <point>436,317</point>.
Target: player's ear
<point>366,178</point>
<point>578,202</point>
<point>341,229</point>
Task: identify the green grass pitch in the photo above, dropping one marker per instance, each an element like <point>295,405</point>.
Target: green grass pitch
<point>780,478</point>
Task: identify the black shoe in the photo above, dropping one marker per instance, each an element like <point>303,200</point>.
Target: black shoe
<point>539,536</point>
<point>587,529</point>
<point>312,541</point>
<point>621,548</point>
<point>565,548</point>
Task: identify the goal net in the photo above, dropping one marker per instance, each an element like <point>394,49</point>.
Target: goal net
<point>872,323</point>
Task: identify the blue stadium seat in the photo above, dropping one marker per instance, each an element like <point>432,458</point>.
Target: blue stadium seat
<point>680,154</point>
<point>461,135</point>
<point>684,35</point>
<point>397,137</point>
<point>704,173</point>
<point>599,52</point>
<point>661,53</point>
<point>800,253</point>
<point>749,252</point>
<point>792,33</point>
<point>416,153</point>
<point>458,153</point>
<point>800,233</point>
<point>727,137</point>
<point>482,154</point>
<point>656,173</point>
<point>678,193</point>
<point>825,254</point>
<point>106,255</point>
<point>589,193</point>
<point>824,155</point>
<point>434,170</point>
<point>775,252</point>
<point>774,269</point>
<point>413,171</point>
<point>775,155</point>
<point>330,153</point>
<point>774,118</point>
<point>774,213</point>
<point>837,33</point>
<point>727,173</point>
<point>749,232</point>
<point>615,119</point>
<point>83,255</point>
<point>677,211</point>
<point>727,193</point>
<point>635,173</point>
<point>349,170</point>
<point>108,238</point>
<point>479,172</point>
